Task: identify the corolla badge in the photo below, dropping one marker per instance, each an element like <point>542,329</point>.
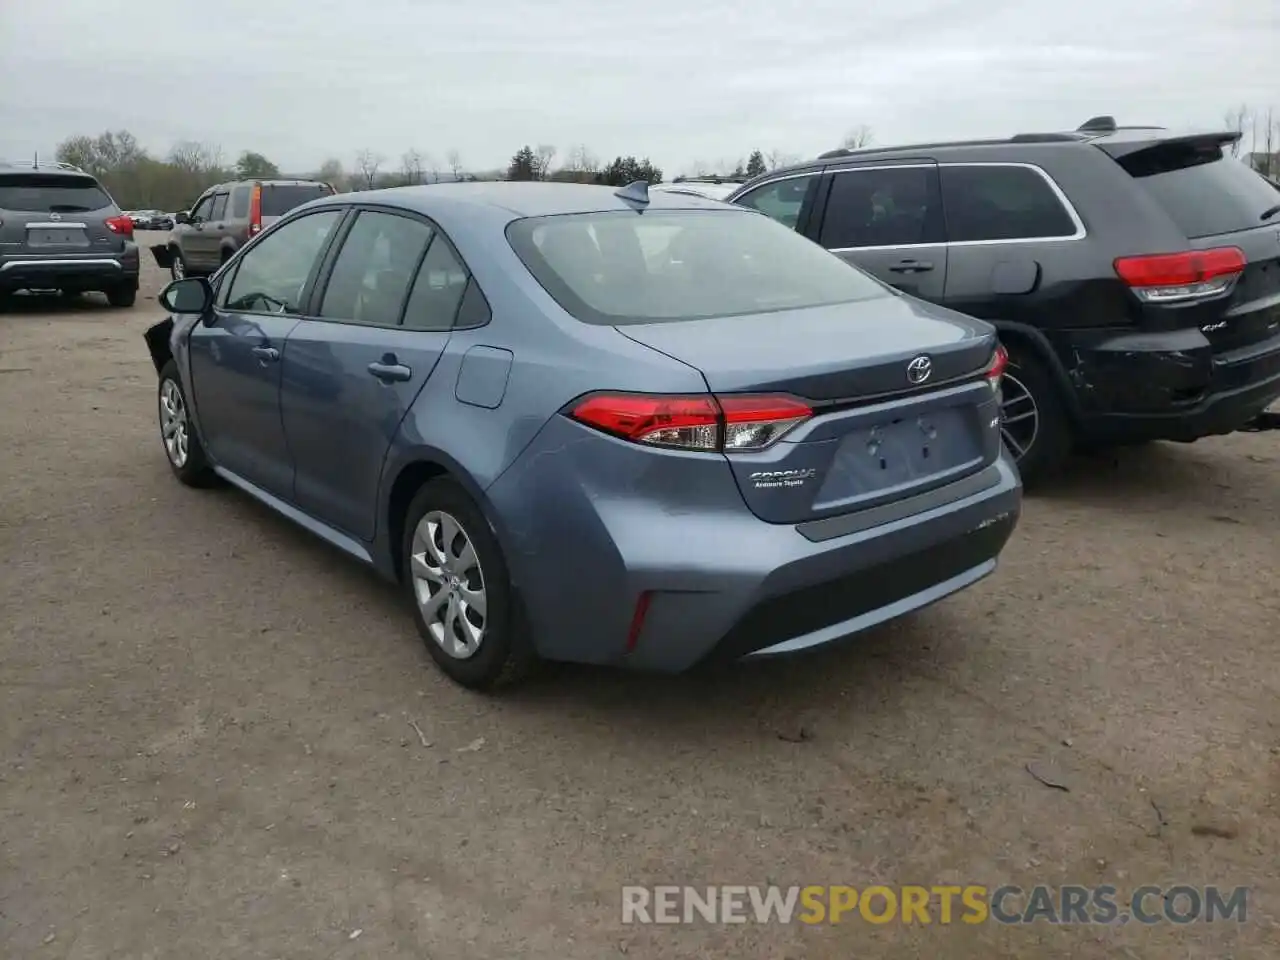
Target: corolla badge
<point>919,370</point>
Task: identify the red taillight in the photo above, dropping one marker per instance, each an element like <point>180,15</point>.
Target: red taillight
<point>255,210</point>
<point>121,225</point>
<point>728,423</point>
<point>995,369</point>
<point>1173,277</point>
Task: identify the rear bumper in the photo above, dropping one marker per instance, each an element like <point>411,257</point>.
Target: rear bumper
<point>84,270</point>
<point>1170,386</point>
<point>716,581</point>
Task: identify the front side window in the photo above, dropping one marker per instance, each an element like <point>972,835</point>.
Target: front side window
<point>781,200</point>
<point>272,275</point>
<point>1002,203</point>
<point>202,209</point>
<point>624,267</point>
<point>374,269</point>
<point>882,207</point>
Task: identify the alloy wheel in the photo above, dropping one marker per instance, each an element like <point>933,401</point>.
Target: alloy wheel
<point>448,584</point>
<point>1019,416</point>
<point>173,423</point>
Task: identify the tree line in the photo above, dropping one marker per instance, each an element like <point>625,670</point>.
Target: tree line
<point>139,179</point>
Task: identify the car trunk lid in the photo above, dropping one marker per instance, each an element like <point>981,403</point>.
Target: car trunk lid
<point>1231,217</point>
<point>878,433</point>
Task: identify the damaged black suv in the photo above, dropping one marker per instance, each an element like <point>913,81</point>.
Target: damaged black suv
<point>1133,273</point>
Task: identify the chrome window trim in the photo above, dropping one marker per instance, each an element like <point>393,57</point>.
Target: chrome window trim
<point>1079,233</point>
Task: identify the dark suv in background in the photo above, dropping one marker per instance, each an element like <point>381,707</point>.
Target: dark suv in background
<point>1133,273</point>
<point>225,218</point>
<point>60,230</point>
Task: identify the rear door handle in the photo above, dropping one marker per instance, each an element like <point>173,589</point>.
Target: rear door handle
<point>388,370</point>
<point>911,266</point>
<point>266,354</point>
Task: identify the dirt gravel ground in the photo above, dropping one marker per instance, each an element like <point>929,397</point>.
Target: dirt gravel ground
<point>206,746</point>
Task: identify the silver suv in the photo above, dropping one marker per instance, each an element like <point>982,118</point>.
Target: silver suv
<point>60,230</point>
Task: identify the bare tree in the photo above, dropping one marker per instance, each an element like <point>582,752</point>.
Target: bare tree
<point>776,158</point>
<point>454,159</point>
<point>331,172</point>
<point>367,165</point>
<point>193,156</point>
<point>1236,118</point>
<point>582,160</point>
<point>412,166</point>
<point>860,136</point>
<point>542,161</point>
<point>1268,163</point>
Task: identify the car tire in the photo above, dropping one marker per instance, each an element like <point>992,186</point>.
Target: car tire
<point>124,295</point>
<point>1034,424</point>
<point>177,264</point>
<point>182,447</point>
<point>481,649</point>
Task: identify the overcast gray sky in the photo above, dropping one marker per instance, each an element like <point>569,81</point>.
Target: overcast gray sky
<point>681,81</point>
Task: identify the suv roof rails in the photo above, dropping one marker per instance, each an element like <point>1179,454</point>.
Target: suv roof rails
<point>38,164</point>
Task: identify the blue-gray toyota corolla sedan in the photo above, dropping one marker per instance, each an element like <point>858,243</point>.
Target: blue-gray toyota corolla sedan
<point>589,424</point>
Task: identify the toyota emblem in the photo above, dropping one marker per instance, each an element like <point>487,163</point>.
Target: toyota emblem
<point>919,370</point>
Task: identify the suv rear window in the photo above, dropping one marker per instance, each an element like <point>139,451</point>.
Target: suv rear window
<point>622,267</point>
<point>279,199</point>
<point>1203,191</point>
<point>51,193</point>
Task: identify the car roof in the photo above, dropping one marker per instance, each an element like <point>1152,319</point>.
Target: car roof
<point>517,199</point>
<point>1097,131</point>
<point>45,168</point>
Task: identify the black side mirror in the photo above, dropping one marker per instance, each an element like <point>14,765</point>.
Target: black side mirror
<point>182,217</point>
<point>188,295</point>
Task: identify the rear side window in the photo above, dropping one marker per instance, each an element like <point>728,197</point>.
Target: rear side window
<point>993,202</point>
<point>438,290</point>
<point>240,203</point>
<point>51,193</point>
<point>279,198</point>
<point>373,271</point>
<point>1204,192</point>
<point>882,207</point>
<point>219,207</point>
<point>624,267</point>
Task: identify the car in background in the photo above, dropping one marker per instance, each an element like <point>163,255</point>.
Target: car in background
<point>60,230</point>
<point>1133,272</point>
<point>730,443</point>
<point>225,218</point>
<point>151,220</point>
<point>713,188</point>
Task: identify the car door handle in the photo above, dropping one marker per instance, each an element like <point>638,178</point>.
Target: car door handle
<point>266,354</point>
<point>389,371</point>
<point>911,266</point>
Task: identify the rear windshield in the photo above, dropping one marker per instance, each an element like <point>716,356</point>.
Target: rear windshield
<point>624,267</point>
<point>50,193</point>
<point>279,199</point>
<point>1204,191</point>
